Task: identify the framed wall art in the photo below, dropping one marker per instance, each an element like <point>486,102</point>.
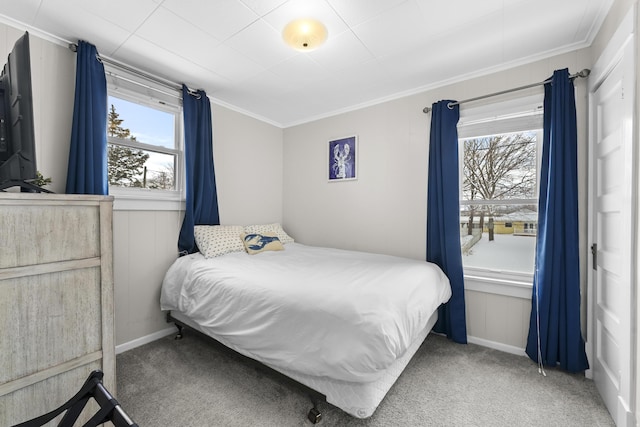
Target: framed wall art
<point>343,159</point>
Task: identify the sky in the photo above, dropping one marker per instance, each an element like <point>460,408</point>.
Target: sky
<point>149,126</point>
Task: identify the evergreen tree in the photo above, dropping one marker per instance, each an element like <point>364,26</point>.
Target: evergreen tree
<point>125,164</point>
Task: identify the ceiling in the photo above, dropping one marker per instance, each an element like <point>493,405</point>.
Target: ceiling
<point>376,49</point>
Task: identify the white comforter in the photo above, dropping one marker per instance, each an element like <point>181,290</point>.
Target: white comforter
<point>324,312</point>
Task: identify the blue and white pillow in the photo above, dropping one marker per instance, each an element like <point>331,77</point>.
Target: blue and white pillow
<point>255,243</point>
<point>269,228</point>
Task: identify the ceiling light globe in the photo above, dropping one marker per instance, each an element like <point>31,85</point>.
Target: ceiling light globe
<point>304,35</point>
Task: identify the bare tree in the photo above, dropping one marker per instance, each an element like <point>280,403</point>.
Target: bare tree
<point>163,179</point>
<point>498,167</point>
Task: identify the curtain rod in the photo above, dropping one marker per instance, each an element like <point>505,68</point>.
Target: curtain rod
<point>161,81</point>
<point>583,73</point>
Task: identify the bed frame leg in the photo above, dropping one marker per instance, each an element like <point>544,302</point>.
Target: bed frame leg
<point>179,334</point>
<point>314,414</point>
<point>170,319</point>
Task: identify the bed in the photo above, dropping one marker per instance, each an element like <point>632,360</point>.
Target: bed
<point>342,323</point>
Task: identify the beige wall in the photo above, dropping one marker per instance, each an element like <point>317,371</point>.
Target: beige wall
<point>616,14</point>
<point>384,209</point>
<point>248,163</point>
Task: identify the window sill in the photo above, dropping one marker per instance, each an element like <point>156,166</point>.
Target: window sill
<point>146,200</point>
<point>516,285</point>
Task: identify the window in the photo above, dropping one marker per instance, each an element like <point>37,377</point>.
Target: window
<point>144,139</point>
<point>499,156</point>
<point>141,146</point>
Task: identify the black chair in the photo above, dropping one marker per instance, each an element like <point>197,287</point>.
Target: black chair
<point>110,409</point>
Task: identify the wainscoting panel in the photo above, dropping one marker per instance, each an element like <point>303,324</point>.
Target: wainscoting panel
<point>498,321</point>
<point>145,245</point>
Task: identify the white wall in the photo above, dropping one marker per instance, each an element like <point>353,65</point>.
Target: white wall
<point>385,209</point>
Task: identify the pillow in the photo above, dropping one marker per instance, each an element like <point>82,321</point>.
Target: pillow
<point>269,228</point>
<point>255,243</point>
<point>216,240</point>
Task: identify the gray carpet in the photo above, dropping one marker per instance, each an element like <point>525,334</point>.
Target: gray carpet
<point>192,383</point>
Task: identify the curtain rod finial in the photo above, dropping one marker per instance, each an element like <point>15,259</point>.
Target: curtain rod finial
<point>426,110</point>
<point>584,72</point>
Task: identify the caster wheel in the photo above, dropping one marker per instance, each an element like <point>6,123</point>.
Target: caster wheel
<point>314,415</point>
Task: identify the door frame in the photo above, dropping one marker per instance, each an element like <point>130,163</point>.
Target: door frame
<point>622,43</point>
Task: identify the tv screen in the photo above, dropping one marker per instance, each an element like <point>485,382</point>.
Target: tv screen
<point>17,139</point>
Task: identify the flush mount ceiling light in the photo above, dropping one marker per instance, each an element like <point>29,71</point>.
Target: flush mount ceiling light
<point>304,35</point>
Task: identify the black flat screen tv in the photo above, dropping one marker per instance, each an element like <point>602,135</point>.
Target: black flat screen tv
<point>17,138</point>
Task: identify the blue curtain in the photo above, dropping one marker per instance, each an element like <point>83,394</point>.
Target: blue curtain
<point>443,216</point>
<point>201,198</point>
<point>87,168</point>
<point>554,337</point>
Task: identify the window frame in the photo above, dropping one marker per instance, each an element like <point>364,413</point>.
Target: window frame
<point>136,89</point>
<point>520,114</point>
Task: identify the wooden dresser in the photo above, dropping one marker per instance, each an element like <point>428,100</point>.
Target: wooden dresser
<point>56,299</point>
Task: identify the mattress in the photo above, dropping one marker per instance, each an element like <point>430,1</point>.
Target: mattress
<point>344,323</point>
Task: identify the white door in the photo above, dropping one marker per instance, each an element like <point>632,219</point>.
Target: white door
<point>612,227</point>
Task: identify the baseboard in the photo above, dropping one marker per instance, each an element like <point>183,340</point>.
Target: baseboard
<point>497,346</point>
<point>145,340</point>
<point>168,331</point>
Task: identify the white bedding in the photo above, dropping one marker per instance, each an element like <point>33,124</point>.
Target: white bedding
<point>323,312</point>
